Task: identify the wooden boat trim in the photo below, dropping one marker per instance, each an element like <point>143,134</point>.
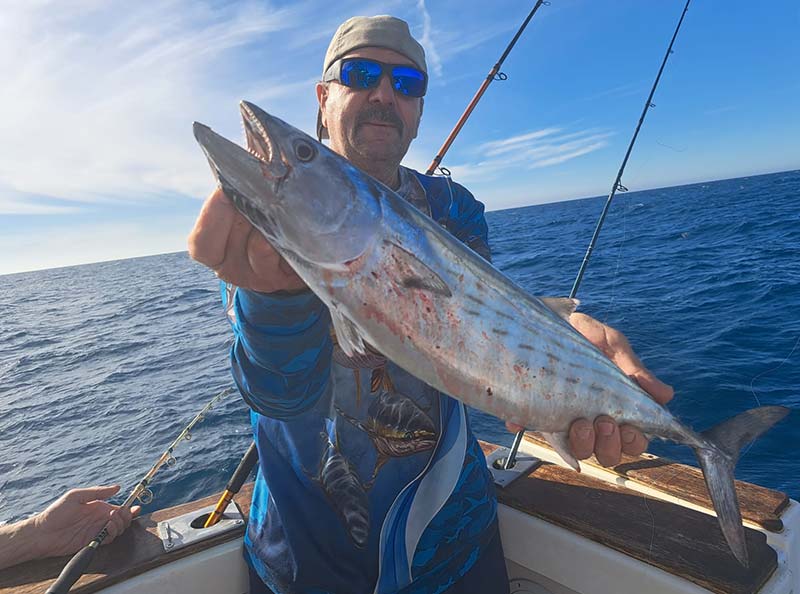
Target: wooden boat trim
<point>683,542</point>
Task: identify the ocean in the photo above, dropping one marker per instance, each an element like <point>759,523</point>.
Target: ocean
<point>102,365</point>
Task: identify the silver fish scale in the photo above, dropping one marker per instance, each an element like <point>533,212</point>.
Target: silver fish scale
<point>490,344</point>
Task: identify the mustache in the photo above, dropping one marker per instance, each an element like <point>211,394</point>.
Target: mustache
<point>379,113</point>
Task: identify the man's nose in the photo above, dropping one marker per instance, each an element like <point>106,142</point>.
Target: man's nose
<point>384,92</point>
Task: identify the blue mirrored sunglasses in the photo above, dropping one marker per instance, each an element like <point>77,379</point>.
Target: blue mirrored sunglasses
<point>360,73</point>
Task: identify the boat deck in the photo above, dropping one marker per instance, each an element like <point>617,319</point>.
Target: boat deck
<point>684,542</point>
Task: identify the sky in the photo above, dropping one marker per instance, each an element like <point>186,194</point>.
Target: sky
<point>98,161</point>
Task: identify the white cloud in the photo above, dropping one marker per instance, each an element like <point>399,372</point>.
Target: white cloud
<point>426,39</point>
<point>531,150</point>
<point>98,97</point>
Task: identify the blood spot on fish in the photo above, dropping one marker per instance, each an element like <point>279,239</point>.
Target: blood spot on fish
<point>428,309</point>
<point>374,274</point>
<point>489,391</point>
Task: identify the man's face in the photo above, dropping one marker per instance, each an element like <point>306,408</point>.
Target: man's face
<point>370,126</point>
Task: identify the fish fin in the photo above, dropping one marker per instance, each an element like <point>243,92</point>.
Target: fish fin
<point>347,335</point>
<point>718,461</point>
<point>564,307</point>
<point>560,443</point>
<point>410,272</point>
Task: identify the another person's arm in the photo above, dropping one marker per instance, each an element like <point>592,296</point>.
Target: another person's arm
<point>66,526</point>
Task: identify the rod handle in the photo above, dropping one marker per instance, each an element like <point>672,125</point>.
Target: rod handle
<point>73,570</point>
<point>243,470</point>
<point>234,484</point>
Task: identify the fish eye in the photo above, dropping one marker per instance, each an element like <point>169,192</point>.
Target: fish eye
<point>304,151</point>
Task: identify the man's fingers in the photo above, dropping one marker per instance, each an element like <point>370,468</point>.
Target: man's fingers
<point>209,238</point>
<point>87,494</point>
<point>117,524</point>
<point>607,445</point>
<point>633,442</point>
<point>581,439</point>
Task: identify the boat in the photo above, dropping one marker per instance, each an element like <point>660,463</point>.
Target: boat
<point>643,526</point>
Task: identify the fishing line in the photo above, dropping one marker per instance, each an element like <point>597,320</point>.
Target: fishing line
<point>753,391</point>
<point>76,566</point>
<point>616,186</point>
<point>494,74</point>
<point>782,363</point>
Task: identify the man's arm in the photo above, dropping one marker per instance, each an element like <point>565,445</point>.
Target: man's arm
<point>281,355</point>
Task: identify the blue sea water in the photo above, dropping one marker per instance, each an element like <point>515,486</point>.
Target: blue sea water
<point>102,365</point>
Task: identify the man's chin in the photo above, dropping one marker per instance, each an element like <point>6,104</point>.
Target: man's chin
<point>381,148</point>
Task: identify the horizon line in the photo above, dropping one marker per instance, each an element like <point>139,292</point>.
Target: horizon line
<point>631,192</point>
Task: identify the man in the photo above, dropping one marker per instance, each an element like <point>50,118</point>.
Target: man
<point>65,527</point>
<point>359,487</point>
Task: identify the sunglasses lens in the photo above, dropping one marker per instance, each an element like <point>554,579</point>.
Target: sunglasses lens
<point>366,74</point>
<point>360,74</point>
<point>409,81</point>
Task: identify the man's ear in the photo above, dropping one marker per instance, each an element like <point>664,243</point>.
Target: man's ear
<point>419,119</point>
<point>322,98</point>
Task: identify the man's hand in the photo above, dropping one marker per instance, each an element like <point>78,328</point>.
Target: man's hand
<point>74,519</point>
<point>603,437</point>
<point>226,242</point>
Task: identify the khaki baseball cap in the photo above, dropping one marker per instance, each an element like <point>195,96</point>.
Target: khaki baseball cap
<point>378,31</point>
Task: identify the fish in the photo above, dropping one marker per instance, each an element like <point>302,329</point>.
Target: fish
<point>338,479</point>
<point>397,427</point>
<point>397,283</point>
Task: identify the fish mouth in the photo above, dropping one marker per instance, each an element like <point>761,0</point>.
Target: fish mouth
<point>244,178</point>
<point>261,143</point>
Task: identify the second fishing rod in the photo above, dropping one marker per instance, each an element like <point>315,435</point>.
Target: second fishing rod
<point>615,187</point>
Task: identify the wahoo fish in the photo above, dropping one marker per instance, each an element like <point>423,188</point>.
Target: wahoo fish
<point>395,281</point>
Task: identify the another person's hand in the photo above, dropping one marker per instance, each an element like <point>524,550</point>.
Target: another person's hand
<point>226,242</point>
<point>74,519</point>
<point>602,437</point>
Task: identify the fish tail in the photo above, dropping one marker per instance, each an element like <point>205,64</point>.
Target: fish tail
<point>718,459</point>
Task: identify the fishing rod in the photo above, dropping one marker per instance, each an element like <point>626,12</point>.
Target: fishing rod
<point>234,484</point>
<point>494,74</point>
<point>80,561</point>
<point>617,186</point>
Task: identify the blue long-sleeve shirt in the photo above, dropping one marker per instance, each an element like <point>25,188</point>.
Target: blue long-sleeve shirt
<point>369,480</point>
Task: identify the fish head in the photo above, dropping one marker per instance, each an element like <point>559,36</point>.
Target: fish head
<point>305,199</point>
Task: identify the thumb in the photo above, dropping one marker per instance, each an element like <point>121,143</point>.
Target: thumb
<point>87,494</point>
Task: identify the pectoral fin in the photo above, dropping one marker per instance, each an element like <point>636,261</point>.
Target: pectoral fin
<point>410,272</point>
<point>347,335</point>
<point>560,443</point>
<point>563,306</point>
